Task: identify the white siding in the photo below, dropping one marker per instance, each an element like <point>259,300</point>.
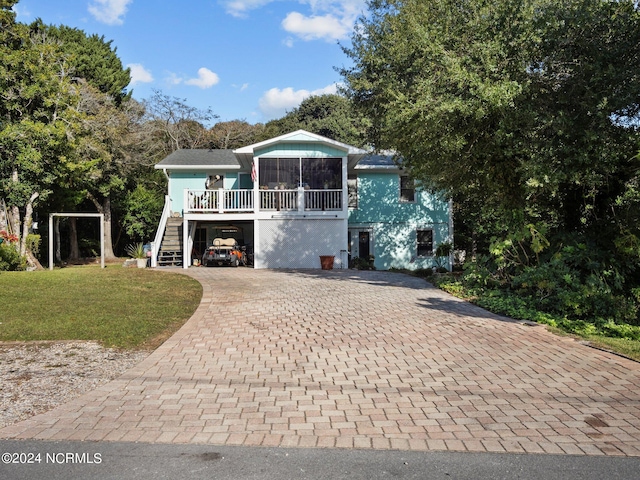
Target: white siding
<point>290,243</point>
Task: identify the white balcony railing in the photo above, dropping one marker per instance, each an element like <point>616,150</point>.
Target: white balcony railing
<point>208,201</point>
<point>279,200</point>
<point>323,199</point>
<point>221,201</point>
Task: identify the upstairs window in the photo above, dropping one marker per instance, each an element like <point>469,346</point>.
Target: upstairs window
<point>283,173</point>
<point>322,173</point>
<point>424,243</point>
<point>407,189</point>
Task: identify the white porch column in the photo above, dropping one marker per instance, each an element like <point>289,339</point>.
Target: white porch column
<point>345,185</point>
<point>256,185</point>
<point>186,255</point>
<point>301,199</point>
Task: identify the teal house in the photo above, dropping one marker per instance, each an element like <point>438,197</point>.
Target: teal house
<point>295,198</point>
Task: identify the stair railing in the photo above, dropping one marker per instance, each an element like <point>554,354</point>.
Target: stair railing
<point>162,225</point>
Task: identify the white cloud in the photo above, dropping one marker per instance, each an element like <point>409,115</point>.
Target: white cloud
<point>316,27</point>
<point>139,74</point>
<point>109,11</point>
<point>173,79</point>
<point>276,103</point>
<point>239,8</point>
<point>326,19</point>
<point>240,88</point>
<point>206,79</point>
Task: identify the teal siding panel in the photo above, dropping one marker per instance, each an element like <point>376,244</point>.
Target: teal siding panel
<point>379,201</point>
<point>231,181</point>
<point>244,181</point>
<point>181,181</point>
<point>394,223</point>
<point>395,245</point>
<point>299,150</point>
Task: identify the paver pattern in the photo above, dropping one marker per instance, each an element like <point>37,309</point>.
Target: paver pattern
<point>358,360</point>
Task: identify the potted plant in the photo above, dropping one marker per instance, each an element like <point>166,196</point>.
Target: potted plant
<point>136,250</point>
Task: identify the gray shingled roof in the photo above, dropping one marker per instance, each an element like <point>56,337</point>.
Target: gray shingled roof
<point>376,160</point>
<point>218,157</point>
<point>194,157</point>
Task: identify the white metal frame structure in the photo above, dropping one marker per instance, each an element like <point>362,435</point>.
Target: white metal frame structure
<point>77,215</point>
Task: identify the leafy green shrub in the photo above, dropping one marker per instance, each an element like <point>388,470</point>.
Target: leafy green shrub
<point>508,303</point>
<point>362,263</point>
<point>454,288</point>
<point>143,208</point>
<point>10,259</point>
<point>481,273</point>
<point>33,244</point>
<point>573,283</point>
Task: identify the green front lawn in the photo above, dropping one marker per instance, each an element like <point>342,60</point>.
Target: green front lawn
<point>118,307</point>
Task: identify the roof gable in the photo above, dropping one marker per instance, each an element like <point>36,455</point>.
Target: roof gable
<point>299,136</point>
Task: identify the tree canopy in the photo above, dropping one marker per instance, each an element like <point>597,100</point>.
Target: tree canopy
<point>532,100</point>
<point>38,124</point>
<point>329,115</point>
<point>525,112</point>
<point>91,57</point>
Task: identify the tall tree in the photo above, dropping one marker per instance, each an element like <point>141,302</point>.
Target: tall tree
<point>112,149</point>
<point>109,119</point>
<point>38,124</point>
<point>234,134</point>
<point>329,115</point>
<point>171,124</point>
<point>92,58</point>
<point>527,106</point>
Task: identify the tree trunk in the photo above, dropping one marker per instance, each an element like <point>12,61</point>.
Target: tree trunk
<point>105,209</point>
<point>14,222</point>
<point>14,212</point>
<point>33,261</point>
<point>26,225</point>
<point>74,251</point>
<point>3,215</point>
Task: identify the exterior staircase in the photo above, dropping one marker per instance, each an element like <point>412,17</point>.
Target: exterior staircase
<point>170,252</point>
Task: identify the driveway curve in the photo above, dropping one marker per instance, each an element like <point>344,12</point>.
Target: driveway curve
<point>358,360</point>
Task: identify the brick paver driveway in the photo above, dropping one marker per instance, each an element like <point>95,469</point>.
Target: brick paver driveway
<point>358,359</point>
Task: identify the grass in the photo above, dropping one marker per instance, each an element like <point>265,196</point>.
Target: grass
<point>622,346</point>
<point>125,308</point>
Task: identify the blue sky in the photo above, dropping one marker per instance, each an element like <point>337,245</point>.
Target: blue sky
<point>246,59</point>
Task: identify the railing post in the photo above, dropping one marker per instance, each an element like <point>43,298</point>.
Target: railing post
<point>185,206</point>
<point>221,200</point>
<point>301,199</point>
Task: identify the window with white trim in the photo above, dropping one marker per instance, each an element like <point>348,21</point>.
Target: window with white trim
<point>407,189</point>
<point>424,241</point>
